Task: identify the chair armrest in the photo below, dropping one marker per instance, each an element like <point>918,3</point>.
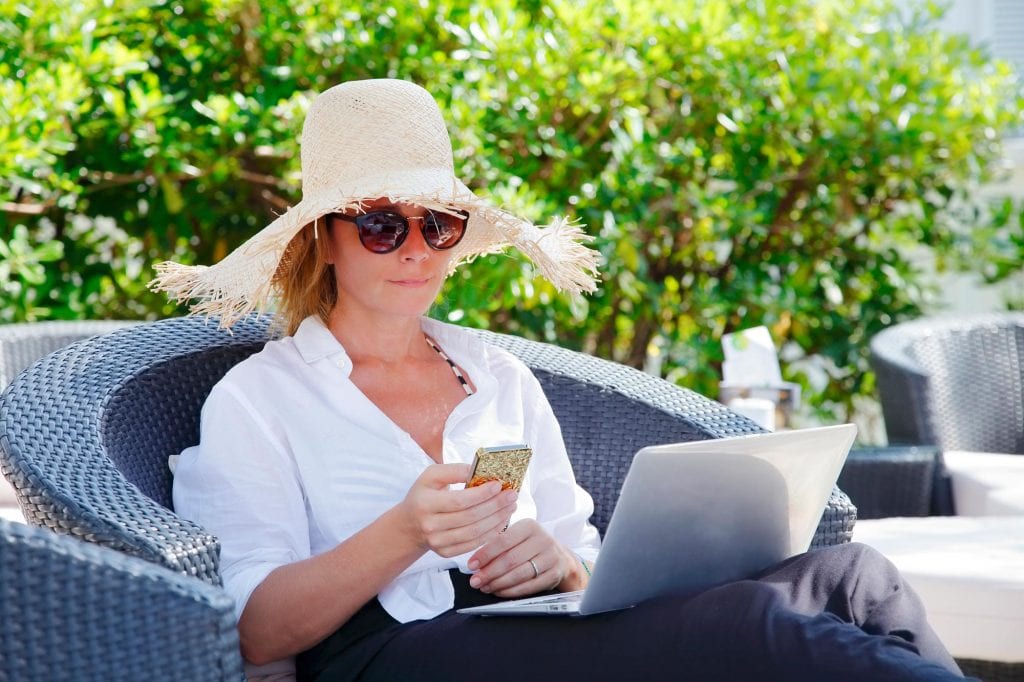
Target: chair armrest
<point>85,434</point>
<point>837,521</point>
<point>75,611</point>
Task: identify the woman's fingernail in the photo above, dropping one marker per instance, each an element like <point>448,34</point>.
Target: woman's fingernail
<point>474,581</point>
<point>473,564</point>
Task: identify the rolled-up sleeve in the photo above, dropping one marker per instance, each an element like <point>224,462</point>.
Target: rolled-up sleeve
<point>241,484</point>
<point>563,507</point>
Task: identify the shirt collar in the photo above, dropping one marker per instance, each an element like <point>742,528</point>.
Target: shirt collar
<point>453,339</point>
<point>314,341</point>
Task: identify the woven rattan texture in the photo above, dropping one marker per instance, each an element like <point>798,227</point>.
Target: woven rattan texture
<point>64,424</point>
<point>23,343</point>
<point>85,434</point>
<point>159,408</point>
<point>77,612</point>
<point>954,382</point>
<point>885,482</point>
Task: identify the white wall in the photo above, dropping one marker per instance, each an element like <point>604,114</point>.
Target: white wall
<point>995,24</point>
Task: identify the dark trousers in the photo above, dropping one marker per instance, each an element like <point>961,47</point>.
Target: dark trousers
<point>841,613</point>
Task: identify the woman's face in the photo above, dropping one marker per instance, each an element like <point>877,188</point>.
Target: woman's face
<point>404,282</point>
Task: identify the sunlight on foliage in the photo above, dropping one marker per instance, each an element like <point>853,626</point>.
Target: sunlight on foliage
<point>751,163</point>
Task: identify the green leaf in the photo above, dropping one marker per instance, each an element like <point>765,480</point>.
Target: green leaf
<point>48,252</point>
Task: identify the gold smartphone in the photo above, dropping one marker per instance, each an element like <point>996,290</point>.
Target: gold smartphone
<point>505,463</point>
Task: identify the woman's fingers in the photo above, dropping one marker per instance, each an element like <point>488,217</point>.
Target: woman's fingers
<point>436,479</point>
<point>450,539</point>
<point>470,514</point>
<point>440,476</point>
<point>452,522</point>
<point>505,566</point>
<point>457,549</point>
<point>511,538</point>
<point>548,576</point>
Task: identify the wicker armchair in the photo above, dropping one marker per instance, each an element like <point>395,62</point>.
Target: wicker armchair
<point>949,384</point>
<point>74,611</point>
<point>957,383</point>
<point>85,434</point>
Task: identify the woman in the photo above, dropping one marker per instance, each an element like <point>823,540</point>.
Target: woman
<point>330,463</point>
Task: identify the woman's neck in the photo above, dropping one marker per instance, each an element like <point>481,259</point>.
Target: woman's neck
<point>377,339</point>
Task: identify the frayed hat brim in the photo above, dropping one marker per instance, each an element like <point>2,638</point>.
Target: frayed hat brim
<point>245,280</point>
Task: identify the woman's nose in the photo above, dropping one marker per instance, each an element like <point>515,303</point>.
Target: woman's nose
<point>415,246</point>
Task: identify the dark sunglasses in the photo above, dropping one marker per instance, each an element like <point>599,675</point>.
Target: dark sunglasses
<point>385,231</point>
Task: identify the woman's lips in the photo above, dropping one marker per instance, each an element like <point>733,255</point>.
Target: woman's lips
<point>410,282</point>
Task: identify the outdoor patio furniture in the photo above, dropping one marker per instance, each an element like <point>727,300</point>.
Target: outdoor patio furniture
<point>77,612</point>
<point>23,343</point>
<point>85,434</point>
<point>954,382</point>
<point>969,572</point>
<point>968,569</point>
<point>986,483</point>
<point>891,481</point>
<point>954,387</point>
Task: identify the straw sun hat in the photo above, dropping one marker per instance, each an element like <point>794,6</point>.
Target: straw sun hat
<point>362,140</point>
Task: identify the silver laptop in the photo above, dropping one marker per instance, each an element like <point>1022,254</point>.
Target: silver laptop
<point>699,514</point>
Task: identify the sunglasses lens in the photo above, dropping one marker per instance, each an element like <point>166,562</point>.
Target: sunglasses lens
<point>381,231</point>
<point>384,231</point>
<point>443,230</point>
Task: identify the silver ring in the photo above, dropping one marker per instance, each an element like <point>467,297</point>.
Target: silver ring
<point>536,571</point>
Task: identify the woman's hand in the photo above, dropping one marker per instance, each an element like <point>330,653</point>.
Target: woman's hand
<point>525,560</point>
<point>452,522</point>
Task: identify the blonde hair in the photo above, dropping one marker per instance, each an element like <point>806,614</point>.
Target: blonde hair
<point>305,279</point>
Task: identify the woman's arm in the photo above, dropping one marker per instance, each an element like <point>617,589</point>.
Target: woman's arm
<point>301,603</point>
<point>242,484</point>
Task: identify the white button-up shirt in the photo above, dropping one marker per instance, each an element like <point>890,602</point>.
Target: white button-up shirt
<point>294,459</point>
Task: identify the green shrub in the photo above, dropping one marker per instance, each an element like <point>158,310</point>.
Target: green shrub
<point>740,163</point>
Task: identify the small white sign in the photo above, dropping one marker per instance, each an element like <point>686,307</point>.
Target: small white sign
<point>750,358</point>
